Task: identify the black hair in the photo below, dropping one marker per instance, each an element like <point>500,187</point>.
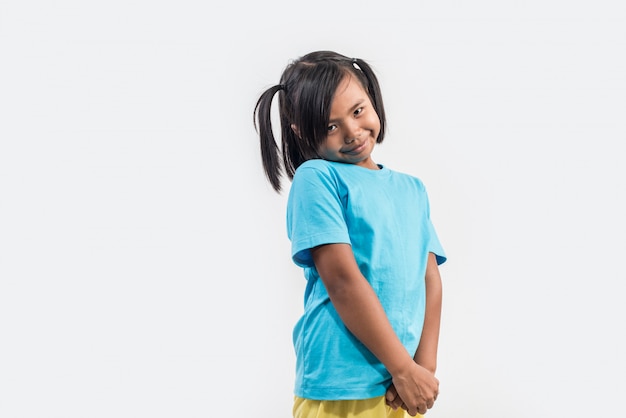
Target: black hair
<point>305,95</point>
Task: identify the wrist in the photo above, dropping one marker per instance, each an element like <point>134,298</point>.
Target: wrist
<point>400,366</point>
<point>430,366</point>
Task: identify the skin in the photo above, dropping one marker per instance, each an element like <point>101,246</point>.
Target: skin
<point>426,354</point>
<point>353,128</point>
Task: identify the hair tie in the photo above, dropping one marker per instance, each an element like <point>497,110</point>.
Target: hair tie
<point>281,87</point>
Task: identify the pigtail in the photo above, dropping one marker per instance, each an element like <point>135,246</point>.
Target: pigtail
<point>270,152</point>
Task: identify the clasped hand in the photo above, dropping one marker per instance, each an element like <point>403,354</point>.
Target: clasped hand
<point>414,390</point>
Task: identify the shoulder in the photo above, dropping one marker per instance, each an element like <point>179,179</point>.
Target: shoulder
<point>316,171</point>
<point>313,176</point>
<point>407,179</point>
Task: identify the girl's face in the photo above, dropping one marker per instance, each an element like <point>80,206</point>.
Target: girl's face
<point>353,126</point>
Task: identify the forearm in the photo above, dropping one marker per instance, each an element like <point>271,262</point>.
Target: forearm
<point>426,354</point>
<point>358,306</point>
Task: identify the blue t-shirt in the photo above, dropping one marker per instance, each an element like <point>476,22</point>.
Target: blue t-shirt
<point>384,215</point>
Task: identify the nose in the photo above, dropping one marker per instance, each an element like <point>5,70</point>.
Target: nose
<point>353,132</point>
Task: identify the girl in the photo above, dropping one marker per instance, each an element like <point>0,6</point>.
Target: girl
<point>366,344</point>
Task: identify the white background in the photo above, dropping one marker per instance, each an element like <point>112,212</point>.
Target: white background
<point>144,266</point>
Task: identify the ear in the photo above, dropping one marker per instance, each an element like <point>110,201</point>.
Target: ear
<point>295,130</point>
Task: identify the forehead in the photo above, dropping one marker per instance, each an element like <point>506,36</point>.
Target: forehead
<point>349,93</point>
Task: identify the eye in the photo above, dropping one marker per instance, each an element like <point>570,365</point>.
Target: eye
<point>358,111</point>
<point>331,128</point>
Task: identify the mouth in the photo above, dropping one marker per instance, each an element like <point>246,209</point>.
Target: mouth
<point>357,149</point>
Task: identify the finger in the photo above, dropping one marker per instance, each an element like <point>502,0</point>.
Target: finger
<point>396,403</point>
<point>391,394</point>
<point>406,408</point>
<point>431,402</point>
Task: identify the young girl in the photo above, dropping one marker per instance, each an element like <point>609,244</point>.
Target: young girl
<point>366,344</point>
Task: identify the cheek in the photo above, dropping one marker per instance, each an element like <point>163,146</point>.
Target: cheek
<point>328,146</point>
<point>327,152</point>
<point>374,122</point>
<point>323,150</point>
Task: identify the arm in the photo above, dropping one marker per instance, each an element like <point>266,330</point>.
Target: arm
<point>426,354</point>
<point>361,312</point>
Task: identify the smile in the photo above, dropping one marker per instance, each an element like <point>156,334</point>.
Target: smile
<point>357,149</point>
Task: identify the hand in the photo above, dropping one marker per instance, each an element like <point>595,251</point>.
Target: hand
<point>392,399</point>
<point>414,389</point>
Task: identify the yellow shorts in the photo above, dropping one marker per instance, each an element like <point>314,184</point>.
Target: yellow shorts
<point>363,408</point>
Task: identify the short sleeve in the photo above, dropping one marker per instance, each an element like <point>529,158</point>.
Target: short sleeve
<point>434,245</point>
<point>315,214</point>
